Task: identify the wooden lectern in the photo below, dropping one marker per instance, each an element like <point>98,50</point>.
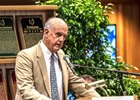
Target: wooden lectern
<point>110,98</point>
<point>84,98</point>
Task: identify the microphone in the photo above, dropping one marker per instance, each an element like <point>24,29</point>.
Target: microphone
<point>66,58</point>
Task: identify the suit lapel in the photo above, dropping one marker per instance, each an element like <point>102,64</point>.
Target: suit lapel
<point>42,64</point>
<point>64,74</point>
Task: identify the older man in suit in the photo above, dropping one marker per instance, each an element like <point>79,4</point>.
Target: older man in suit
<point>33,68</point>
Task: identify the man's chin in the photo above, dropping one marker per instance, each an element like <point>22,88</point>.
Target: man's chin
<point>56,49</point>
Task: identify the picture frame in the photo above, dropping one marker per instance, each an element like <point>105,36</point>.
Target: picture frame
<point>9,45</point>
<point>30,30</point>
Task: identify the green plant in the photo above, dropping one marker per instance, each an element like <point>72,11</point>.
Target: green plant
<point>86,20</point>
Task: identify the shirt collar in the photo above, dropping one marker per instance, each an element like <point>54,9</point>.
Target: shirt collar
<point>46,51</point>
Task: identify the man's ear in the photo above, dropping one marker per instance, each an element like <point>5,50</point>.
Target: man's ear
<point>46,31</point>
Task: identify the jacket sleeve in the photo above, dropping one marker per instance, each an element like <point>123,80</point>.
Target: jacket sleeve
<point>24,77</point>
<point>77,84</point>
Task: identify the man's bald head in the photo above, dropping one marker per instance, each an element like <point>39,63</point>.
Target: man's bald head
<point>54,23</point>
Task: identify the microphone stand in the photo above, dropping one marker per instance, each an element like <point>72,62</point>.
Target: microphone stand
<point>120,75</point>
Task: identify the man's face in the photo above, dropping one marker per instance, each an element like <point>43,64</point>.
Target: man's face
<point>54,39</point>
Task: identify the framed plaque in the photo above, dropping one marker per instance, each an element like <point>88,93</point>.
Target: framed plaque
<point>9,46</point>
<point>30,30</point>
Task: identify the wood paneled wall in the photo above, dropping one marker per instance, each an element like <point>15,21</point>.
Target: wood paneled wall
<point>7,63</point>
<point>127,20</point>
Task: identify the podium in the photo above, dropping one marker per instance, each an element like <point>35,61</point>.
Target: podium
<point>84,98</point>
<point>110,98</point>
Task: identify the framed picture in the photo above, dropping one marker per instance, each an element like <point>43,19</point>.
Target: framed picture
<point>111,36</point>
<point>9,45</point>
<point>30,29</point>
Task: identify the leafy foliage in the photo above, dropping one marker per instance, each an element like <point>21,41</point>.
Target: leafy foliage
<point>86,20</point>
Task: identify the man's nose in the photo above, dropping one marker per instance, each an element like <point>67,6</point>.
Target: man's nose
<point>62,38</point>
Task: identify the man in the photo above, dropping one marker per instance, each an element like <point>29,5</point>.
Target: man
<point>33,68</point>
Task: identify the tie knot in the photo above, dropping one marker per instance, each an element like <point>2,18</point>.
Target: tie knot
<point>52,56</point>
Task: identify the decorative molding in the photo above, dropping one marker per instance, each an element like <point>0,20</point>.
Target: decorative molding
<point>28,7</point>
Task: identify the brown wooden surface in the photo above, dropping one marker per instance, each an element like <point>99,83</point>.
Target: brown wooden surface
<point>46,11</point>
<point>127,20</point>
<point>7,60</point>
<point>136,97</point>
<point>84,98</point>
<point>3,93</point>
<point>90,98</point>
<point>116,98</point>
<point>28,7</point>
<point>11,83</point>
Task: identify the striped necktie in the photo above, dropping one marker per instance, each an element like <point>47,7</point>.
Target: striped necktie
<point>53,80</point>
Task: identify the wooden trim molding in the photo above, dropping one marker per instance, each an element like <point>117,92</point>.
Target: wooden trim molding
<point>7,60</point>
<point>28,7</point>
